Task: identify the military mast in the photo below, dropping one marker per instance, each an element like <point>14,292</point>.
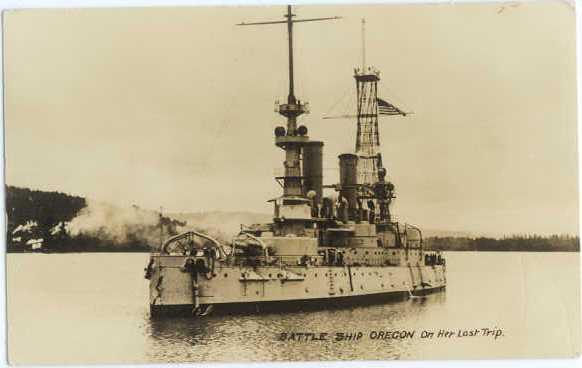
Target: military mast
<point>369,106</point>
<point>370,173</point>
<point>367,137</point>
<point>293,139</point>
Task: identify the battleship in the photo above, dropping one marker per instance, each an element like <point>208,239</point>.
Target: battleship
<point>320,250</point>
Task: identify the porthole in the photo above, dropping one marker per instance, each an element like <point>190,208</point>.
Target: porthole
<point>226,275</point>
<point>270,275</point>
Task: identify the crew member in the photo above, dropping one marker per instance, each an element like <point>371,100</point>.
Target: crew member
<point>372,213</point>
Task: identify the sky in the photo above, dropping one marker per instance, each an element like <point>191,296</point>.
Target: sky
<point>173,107</point>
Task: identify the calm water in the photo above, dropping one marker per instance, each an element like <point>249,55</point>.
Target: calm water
<point>92,308</point>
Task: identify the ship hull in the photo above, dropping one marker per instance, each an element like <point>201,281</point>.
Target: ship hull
<point>282,306</point>
<point>240,289</point>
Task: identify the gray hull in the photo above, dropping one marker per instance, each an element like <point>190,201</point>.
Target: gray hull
<point>235,289</point>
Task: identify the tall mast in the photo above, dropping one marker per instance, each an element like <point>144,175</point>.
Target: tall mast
<point>363,43</point>
<point>292,139</point>
<point>367,136</point>
<point>369,108</point>
<point>289,15</point>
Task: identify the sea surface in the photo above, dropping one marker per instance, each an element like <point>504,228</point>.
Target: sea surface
<point>93,308</point>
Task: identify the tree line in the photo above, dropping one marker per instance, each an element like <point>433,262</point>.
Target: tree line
<point>516,243</point>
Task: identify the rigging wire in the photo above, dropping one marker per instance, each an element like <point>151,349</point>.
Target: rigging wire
<point>348,91</point>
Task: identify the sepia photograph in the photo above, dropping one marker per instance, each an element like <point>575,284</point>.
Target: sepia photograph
<point>294,182</point>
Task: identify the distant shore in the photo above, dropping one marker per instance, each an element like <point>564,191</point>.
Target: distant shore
<point>531,243</point>
<point>53,222</point>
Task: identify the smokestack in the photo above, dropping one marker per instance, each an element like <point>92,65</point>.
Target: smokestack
<point>313,168</point>
<point>348,180</point>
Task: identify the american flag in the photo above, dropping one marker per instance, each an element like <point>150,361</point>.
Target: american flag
<point>386,108</point>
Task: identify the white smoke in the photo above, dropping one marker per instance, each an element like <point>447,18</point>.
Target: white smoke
<point>126,225</point>
<point>119,225</point>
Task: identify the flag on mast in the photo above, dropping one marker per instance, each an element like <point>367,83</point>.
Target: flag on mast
<point>386,108</point>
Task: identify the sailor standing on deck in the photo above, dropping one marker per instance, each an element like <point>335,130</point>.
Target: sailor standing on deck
<point>372,211</point>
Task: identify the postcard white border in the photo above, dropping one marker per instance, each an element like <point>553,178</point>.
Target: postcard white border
<point>521,363</point>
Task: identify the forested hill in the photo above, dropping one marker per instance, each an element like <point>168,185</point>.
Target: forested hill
<point>48,208</point>
<point>35,214</point>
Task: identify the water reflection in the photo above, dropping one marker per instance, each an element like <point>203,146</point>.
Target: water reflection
<point>256,336</point>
